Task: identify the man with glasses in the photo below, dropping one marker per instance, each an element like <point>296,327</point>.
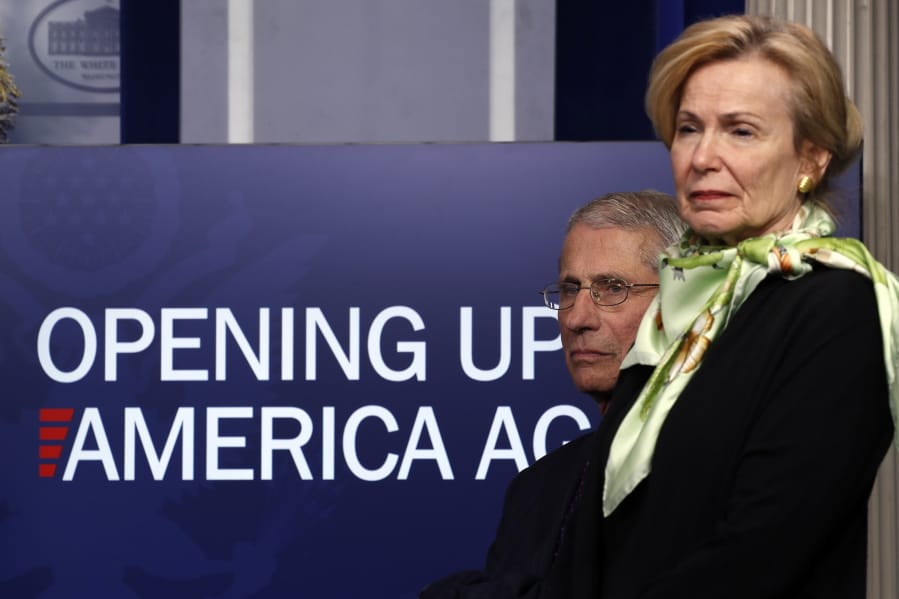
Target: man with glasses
<point>607,278</point>
<point>610,253</point>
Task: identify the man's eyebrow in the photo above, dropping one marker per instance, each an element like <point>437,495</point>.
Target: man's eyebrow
<point>603,276</point>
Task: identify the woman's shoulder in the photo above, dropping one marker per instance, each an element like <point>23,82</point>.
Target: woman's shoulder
<point>827,289</point>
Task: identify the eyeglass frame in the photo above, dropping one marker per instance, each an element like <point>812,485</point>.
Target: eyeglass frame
<point>594,294</point>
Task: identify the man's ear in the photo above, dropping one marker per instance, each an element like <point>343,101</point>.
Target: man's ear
<point>814,160</point>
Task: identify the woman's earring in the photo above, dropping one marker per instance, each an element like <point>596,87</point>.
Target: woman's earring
<point>806,184</point>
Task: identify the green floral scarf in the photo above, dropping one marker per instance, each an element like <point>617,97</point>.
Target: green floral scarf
<point>700,288</point>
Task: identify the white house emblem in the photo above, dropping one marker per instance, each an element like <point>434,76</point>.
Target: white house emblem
<point>76,42</point>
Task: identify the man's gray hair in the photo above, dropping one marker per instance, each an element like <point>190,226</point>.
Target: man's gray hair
<point>634,210</point>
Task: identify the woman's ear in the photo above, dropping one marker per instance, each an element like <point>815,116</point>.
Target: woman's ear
<point>814,160</point>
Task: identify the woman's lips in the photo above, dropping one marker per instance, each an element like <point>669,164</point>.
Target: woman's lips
<point>708,194</point>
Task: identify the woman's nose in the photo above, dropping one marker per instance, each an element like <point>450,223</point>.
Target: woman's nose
<point>706,153</point>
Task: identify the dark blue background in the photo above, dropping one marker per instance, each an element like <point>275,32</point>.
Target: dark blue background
<point>432,227</point>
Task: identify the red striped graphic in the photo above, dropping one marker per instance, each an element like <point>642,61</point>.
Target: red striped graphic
<point>57,414</point>
<point>52,451</point>
<point>54,433</point>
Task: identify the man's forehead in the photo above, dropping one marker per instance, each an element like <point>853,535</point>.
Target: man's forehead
<point>605,252</point>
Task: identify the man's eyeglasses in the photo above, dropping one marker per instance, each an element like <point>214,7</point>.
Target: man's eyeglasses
<point>605,292</point>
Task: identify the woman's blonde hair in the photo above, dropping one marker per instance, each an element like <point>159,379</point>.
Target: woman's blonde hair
<point>821,112</point>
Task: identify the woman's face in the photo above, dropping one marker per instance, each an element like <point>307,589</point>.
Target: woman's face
<point>735,165</point>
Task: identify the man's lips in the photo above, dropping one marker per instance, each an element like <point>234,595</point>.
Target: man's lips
<point>589,355</point>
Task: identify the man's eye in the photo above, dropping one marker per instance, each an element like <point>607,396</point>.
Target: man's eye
<point>568,289</point>
<point>615,287</point>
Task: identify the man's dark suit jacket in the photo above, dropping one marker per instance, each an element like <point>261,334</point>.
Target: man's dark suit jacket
<point>538,504</point>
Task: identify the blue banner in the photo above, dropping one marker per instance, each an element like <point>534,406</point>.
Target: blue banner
<point>279,371</point>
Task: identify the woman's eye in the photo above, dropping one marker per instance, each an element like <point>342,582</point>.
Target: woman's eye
<point>685,129</point>
<point>742,132</point>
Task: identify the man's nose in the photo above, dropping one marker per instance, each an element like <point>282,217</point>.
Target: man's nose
<point>583,314</point>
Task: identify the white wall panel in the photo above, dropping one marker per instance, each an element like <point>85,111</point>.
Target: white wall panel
<point>336,71</point>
